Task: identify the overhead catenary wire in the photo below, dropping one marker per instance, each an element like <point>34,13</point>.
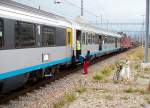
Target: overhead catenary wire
<point>77,6</point>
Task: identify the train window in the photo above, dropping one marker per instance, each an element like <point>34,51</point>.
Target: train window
<point>83,38</point>
<point>97,39</point>
<point>116,42</point>
<point>1,33</point>
<point>25,35</point>
<point>106,40</point>
<point>93,39</point>
<point>90,38</point>
<point>87,36</point>
<point>48,37</point>
<point>100,38</point>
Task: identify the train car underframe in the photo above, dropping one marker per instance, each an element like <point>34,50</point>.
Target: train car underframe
<point>19,81</point>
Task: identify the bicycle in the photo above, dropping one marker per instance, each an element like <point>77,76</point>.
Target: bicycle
<point>116,76</point>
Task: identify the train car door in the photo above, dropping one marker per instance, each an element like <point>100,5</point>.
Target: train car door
<point>78,43</point>
<point>69,42</point>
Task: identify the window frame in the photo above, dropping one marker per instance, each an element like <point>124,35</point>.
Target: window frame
<point>93,40</point>
<point>87,36</point>
<point>2,46</point>
<point>83,38</point>
<point>33,33</point>
<point>97,40</point>
<point>54,38</point>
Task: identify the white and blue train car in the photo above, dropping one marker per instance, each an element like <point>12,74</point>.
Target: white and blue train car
<point>30,39</point>
<point>97,41</point>
<point>34,42</point>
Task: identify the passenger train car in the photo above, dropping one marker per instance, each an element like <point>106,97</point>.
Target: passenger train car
<point>99,42</point>
<point>34,42</point>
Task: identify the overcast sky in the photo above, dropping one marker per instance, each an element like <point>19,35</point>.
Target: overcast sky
<point>112,10</point>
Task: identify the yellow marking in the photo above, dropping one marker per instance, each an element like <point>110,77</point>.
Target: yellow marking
<point>69,30</point>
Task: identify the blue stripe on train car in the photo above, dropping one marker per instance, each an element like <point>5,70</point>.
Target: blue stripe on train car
<point>32,68</point>
<point>99,53</point>
<point>40,66</point>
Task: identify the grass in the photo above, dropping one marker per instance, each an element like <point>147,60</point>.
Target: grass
<point>136,66</point>
<point>67,98</point>
<point>116,82</point>
<point>105,72</point>
<point>147,99</point>
<point>147,69</point>
<point>81,89</point>
<point>108,97</point>
<point>144,77</point>
<point>136,54</point>
<point>98,77</point>
<point>101,90</point>
<point>59,104</point>
<point>70,97</point>
<point>125,98</point>
<point>129,90</point>
<point>113,66</point>
<point>104,90</point>
<point>137,90</point>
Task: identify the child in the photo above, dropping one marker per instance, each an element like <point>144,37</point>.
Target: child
<point>85,66</point>
<point>86,63</point>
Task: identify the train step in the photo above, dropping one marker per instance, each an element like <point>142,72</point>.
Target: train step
<point>49,75</point>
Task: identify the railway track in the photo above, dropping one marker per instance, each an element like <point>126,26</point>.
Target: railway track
<point>29,87</point>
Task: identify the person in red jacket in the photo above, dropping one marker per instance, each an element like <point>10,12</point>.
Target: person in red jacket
<point>86,63</point>
<point>85,66</point>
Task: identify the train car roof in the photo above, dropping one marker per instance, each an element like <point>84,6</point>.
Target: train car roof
<point>100,31</point>
<point>23,12</point>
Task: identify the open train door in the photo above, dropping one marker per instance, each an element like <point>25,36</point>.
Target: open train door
<point>69,42</point>
<point>78,44</point>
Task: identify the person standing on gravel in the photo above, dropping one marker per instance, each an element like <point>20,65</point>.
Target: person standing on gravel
<point>127,69</point>
<point>125,72</point>
<point>86,63</point>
